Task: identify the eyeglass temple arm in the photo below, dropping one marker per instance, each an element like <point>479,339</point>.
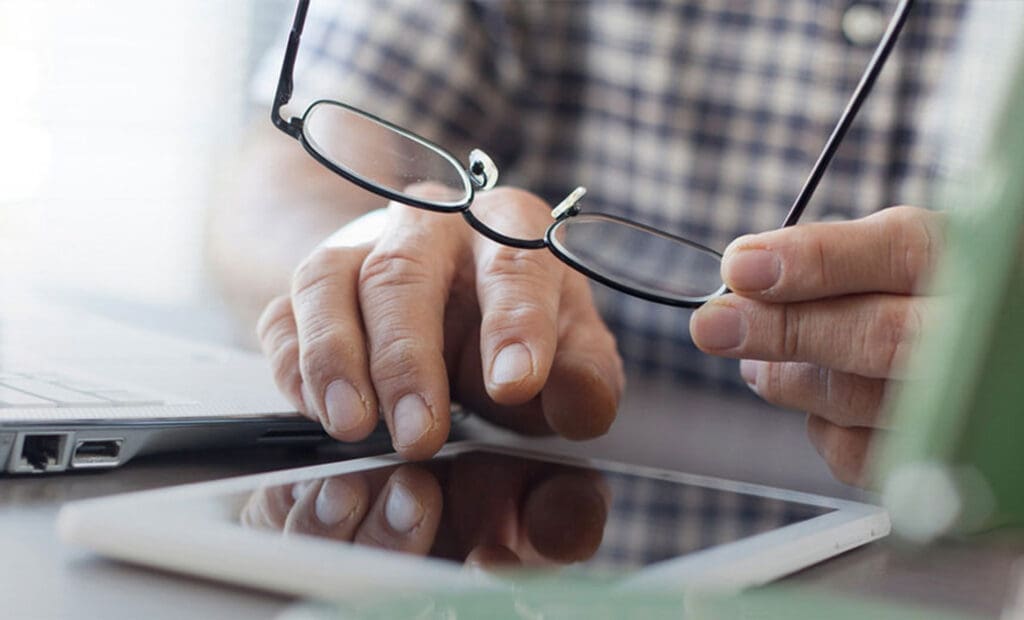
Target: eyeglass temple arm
<point>867,82</point>
<point>285,84</point>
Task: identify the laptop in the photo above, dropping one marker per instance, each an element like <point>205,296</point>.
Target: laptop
<point>81,392</point>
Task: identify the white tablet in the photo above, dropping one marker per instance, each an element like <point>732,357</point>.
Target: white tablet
<point>378,524</point>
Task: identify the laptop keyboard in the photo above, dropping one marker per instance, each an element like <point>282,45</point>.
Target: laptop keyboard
<point>48,390</point>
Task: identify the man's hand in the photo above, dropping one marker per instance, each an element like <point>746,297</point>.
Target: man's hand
<point>432,311</point>
<point>822,316</point>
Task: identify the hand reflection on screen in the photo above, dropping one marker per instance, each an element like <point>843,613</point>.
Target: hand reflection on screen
<point>482,509</point>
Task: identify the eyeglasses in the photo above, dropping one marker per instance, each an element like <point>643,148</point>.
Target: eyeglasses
<point>399,165</point>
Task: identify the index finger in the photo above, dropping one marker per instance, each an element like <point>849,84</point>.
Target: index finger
<point>403,292</point>
<point>891,251</point>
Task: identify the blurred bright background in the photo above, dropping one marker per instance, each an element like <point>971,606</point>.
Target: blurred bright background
<point>117,116</point>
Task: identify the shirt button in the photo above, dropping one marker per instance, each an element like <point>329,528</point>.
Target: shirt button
<point>863,24</point>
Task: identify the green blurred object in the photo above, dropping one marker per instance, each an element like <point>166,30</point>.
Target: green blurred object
<point>956,460</point>
<point>592,601</point>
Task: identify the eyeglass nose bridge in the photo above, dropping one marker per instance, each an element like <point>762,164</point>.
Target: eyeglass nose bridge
<point>568,207</point>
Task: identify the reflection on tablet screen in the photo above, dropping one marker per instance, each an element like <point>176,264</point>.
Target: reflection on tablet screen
<point>493,509</point>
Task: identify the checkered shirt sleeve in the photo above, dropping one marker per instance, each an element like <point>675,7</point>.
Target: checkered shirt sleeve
<point>428,66</point>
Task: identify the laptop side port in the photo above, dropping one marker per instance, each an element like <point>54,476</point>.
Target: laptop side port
<point>96,453</point>
<point>42,453</point>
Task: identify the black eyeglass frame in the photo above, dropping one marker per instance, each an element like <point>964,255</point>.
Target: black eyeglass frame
<point>482,174</point>
<point>294,128</point>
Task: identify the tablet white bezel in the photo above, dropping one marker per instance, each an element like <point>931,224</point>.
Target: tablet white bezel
<point>206,540</point>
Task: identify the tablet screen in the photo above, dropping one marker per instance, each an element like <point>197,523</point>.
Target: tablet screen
<point>496,509</point>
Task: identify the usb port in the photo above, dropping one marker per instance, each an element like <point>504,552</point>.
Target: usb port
<point>41,453</point>
<point>96,453</point>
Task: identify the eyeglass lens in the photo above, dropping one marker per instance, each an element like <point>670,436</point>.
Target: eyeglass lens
<point>638,258</point>
<point>385,156</point>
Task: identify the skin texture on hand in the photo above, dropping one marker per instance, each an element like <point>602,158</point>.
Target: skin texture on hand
<point>823,316</point>
<point>432,311</point>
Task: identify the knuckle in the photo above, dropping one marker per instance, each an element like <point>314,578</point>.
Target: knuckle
<point>275,317</point>
<point>913,320</point>
<point>324,347</point>
<point>791,384</point>
<point>508,320</point>
<point>791,325</point>
<point>824,266</point>
<point>505,262</point>
<point>393,268</point>
<point>279,335</point>
<point>316,270</point>
<point>914,244</point>
<point>284,360</point>
<point>771,383</point>
<point>809,387</point>
<point>840,397</point>
<point>395,360</point>
<point>851,401</point>
<point>889,335</point>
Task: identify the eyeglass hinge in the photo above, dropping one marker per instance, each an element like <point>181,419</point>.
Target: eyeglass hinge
<point>293,127</point>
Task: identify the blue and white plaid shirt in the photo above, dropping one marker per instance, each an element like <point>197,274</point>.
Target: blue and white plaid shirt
<point>701,117</point>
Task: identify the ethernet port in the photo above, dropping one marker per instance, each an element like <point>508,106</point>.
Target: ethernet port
<point>42,453</point>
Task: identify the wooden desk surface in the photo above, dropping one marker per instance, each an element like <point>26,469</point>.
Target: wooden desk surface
<point>660,425</point>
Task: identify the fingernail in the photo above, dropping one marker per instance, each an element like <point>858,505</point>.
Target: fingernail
<point>512,364</point>
<point>299,489</point>
<point>718,327</point>
<point>749,370</point>
<point>402,510</point>
<point>332,507</point>
<point>345,407</point>
<point>412,419</point>
<point>751,269</point>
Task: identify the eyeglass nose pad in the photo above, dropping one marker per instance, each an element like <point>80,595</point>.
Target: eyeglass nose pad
<point>570,204</point>
<point>482,170</point>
